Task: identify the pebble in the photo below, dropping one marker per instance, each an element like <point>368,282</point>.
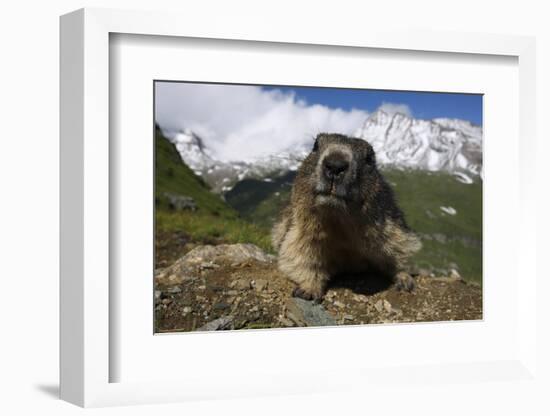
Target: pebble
<point>166,301</point>
<point>158,294</point>
<point>187,309</point>
<point>349,317</point>
<point>387,306</point>
<point>360,298</point>
<point>240,284</point>
<point>209,265</point>
<point>175,289</point>
<point>286,321</point>
<point>260,285</point>
<point>339,304</point>
<point>379,305</point>
<point>454,274</point>
<point>220,306</point>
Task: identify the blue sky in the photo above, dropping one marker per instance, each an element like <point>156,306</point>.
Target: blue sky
<point>425,105</point>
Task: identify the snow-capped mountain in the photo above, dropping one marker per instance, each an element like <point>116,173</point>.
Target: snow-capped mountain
<point>440,144</point>
<point>222,176</point>
<point>192,150</point>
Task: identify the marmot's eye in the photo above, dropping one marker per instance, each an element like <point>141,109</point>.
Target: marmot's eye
<point>316,145</point>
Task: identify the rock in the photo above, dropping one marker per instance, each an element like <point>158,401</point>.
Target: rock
<point>217,324</point>
<point>379,306</point>
<point>180,202</point>
<point>166,301</point>
<point>286,321</point>
<point>188,266</point>
<point>240,284</point>
<point>348,317</point>
<point>453,273</point>
<point>339,304</point>
<point>330,295</point>
<point>175,289</point>
<point>260,284</point>
<point>305,313</point>
<point>387,306</point>
<point>208,266</point>
<point>220,306</point>
<point>158,294</point>
<point>453,265</point>
<point>187,309</point>
<point>360,298</point>
<point>230,253</point>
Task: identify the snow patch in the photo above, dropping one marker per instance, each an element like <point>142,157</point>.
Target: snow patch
<point>448,210</point>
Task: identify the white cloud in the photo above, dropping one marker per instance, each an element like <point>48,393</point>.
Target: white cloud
<point>392,108</point>
<point>244,122</point>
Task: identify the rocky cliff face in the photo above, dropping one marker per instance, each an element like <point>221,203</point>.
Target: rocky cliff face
<point>434,145</point>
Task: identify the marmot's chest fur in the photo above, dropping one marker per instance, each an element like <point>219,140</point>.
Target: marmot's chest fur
<point>342,218</point>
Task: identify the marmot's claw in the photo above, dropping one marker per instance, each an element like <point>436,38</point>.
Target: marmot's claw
<point>298,292</point>
<point>404,281</point>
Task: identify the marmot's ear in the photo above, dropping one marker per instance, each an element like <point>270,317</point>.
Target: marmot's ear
<point>371,157</point>
<point>316,145</point>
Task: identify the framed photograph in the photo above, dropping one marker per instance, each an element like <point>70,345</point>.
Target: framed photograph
<point>288,213</point>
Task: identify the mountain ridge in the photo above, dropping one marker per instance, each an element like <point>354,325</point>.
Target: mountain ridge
<point>400,141</point>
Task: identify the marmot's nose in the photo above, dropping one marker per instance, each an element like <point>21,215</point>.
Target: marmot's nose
<point>334,165</point>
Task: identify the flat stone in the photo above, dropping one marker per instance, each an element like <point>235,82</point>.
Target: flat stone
<point>306,313</point>
<point>217,324</point>
<point>240,284</point>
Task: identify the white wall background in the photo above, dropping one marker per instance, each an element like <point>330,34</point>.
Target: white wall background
<point>29,56</point>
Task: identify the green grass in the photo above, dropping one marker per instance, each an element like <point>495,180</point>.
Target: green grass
<point>208,229</point>
<point>421,194</point>
<point>174,176</point>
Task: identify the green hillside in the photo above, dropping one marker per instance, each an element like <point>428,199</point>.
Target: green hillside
<point>212,222</point>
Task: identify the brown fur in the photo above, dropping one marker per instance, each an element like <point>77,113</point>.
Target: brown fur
<point>319,236</point>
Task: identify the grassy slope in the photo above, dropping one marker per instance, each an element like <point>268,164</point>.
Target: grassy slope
<point>260,202</point>
<point>420,194</point>
<point>214,220</point>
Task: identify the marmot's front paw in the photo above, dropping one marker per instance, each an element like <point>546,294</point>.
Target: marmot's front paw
<point>404,281</point>
<point>316,297</point>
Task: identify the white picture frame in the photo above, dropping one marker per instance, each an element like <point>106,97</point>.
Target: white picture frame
<point>86,357</point>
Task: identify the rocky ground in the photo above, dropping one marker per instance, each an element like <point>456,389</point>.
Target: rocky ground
<point>238,286</point>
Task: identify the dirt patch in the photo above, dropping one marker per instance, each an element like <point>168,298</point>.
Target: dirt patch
<point>219,293</point>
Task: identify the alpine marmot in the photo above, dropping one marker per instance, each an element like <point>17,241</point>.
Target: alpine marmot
<point>342,218</point>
